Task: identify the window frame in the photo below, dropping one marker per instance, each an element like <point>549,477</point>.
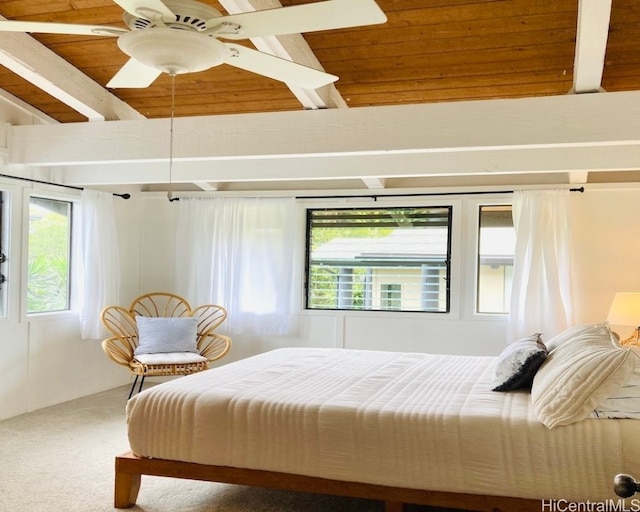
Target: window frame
<point>380,202</point>
<point>74,254</point>
<point>5,248</point>
<point>479,263</point>
<point>471,213</point>
<point>346,211</point>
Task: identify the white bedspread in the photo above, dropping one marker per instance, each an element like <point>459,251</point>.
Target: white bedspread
<point>399,419</point>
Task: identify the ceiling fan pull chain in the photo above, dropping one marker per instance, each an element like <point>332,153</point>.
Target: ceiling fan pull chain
<point>173,103</point>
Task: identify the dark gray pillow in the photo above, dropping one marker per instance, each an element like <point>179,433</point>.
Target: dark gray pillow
<point>518,363</point>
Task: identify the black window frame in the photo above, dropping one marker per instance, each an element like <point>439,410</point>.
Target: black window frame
<point>446,261</point>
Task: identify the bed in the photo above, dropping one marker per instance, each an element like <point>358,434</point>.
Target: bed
<point>399,427</point>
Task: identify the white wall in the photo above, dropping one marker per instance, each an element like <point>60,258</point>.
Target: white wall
<point>606,235</point>
<point>44,361</point>
<point>606,243</point>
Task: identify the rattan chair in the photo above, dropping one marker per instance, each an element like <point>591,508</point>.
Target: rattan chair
<point>121,323</point>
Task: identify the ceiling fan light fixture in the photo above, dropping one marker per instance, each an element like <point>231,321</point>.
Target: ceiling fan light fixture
<point>174,51</point>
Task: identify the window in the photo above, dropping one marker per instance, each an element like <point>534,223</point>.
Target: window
<point>496,247</point>
<point>379,259</point>
<point>49,249</point>
<point>391,295</point>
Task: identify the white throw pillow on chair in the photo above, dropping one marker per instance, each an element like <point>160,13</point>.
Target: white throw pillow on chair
<point>166,334</point>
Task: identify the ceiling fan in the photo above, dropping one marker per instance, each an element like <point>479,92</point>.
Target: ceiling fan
<point>183,36</point>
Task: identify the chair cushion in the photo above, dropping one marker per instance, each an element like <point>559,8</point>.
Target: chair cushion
<point>166,334</point>
<point>170,358</point>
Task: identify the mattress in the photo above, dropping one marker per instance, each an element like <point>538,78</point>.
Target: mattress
<point>408,420</point>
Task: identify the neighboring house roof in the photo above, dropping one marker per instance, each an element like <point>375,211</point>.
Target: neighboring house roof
<point>408,244</point>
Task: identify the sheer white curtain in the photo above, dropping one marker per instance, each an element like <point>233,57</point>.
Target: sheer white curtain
<point>100,260</point>
<point>238,252</point>
<point>541,296</point>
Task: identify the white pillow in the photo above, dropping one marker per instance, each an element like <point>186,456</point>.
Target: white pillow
<point>166,334</point>
<point>625,403</point>
<point>578,375</point>
<point>572,332</point>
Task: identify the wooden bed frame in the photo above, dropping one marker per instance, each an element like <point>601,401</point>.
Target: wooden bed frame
<point>130,468</point>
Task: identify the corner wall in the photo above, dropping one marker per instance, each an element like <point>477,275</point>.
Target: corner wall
<point>43,360</point>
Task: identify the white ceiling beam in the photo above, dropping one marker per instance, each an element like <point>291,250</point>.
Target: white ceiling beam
<point>34,62</point>
<point>291,47</point>
<point>578,177</point>
<point>374,183</point>
<point>205,185</point>
<point>569,133</point>
<point>32,113</point>
<point>569,121</point>
<point>591,45</point>
<point>477,163</point>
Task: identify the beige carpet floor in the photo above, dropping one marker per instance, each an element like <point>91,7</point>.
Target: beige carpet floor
<point>60,459</point>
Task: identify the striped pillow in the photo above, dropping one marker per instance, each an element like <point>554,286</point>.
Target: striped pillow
<point>625,403</point>
<point>578,375</point>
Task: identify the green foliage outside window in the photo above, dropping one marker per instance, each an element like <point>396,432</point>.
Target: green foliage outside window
<point>324,284</point>
<point>49,255</point>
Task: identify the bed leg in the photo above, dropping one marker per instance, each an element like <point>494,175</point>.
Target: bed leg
<point>393,506</point>
<point>126,489</point>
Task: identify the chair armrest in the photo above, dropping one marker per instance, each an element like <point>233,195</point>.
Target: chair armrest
<point>119,350</point>
<point>213,346</point>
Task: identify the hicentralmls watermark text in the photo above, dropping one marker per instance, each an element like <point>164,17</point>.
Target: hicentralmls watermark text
<point>617,505</point>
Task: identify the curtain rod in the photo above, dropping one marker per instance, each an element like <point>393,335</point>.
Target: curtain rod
<point>123,196</point>
<point>417,194</point>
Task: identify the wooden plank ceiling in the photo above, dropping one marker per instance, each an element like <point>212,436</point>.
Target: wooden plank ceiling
<point>428,51</point>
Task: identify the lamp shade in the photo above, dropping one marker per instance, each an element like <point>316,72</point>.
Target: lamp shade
<point>625,309</point>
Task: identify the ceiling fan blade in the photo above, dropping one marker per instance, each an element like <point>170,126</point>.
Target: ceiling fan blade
<point>145,8</point>
<point>277,68</point>
<point>42,27</point>
<point>295,19</point>
<point>134,75</point>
